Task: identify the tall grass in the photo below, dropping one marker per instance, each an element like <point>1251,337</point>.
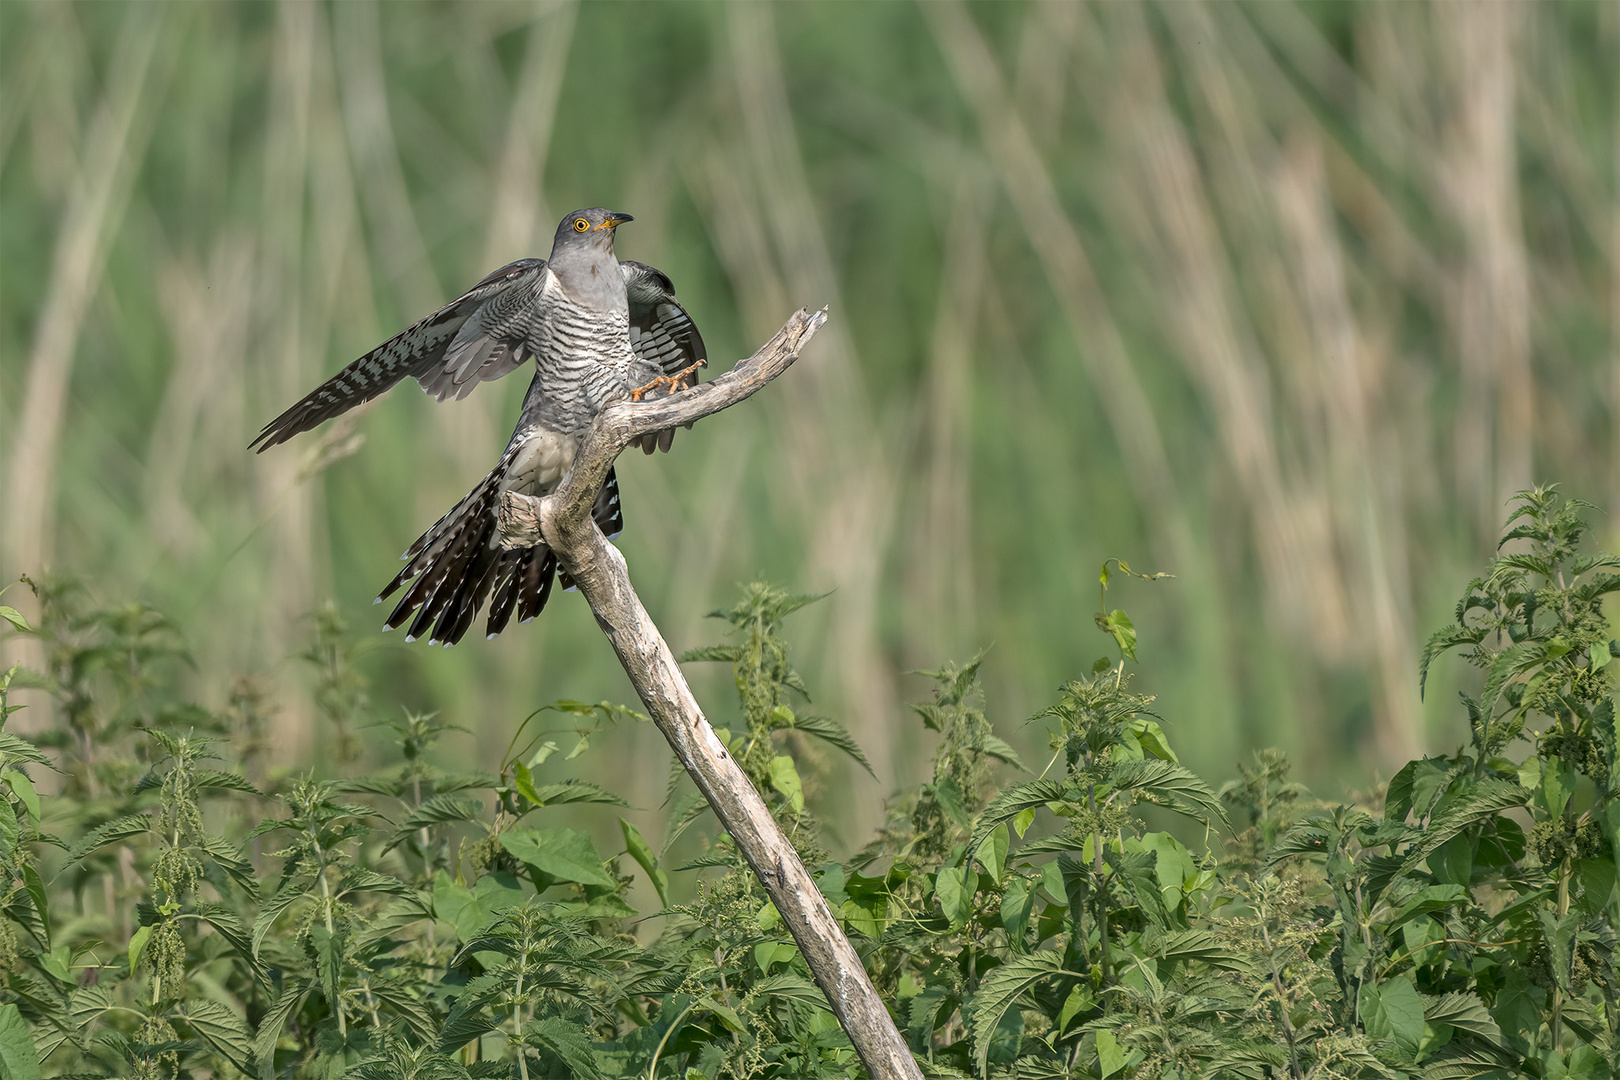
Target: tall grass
<point>1285,299</point>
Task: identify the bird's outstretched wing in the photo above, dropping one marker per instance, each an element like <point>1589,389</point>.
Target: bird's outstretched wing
<point>477,336</point>
<point>455,566</point>
<point>661,332</point>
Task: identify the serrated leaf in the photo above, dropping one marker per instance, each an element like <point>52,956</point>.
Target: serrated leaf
<point>722,654</point>
<point>794,987</point>
<point>272,909</point>
<point>36,892</point>
<point>118,829</point>
<point>230,860</point>
<point>14,749</point>
<point>269,1033</point>
<point>568,1041</point>
<point>1484,801</point>
<point>328,947</point>
<point>1465,1012</point>
<point>229,926</point>
<point>1175,784</point>
<point>1002,750</point>
<point>576,791</point>
<point>223,1030</point>
<point>438,810</point>
<point>999,990</point>
<point>1010,803</point>
<point>361,879</point>
<point>831,731</point>
<point>216,778</point>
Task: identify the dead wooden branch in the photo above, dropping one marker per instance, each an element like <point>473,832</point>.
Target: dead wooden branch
<point>563,520</point>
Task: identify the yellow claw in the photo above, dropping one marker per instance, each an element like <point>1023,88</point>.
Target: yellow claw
<point>676,381</point>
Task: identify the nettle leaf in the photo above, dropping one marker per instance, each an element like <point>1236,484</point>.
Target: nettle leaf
<point>1514,661</point>
<point>229,927</point>
<point>328,947</point>
<point>14,749</point>
<point>438,810</point>
<point>565,854</point>
<point>216,778</point>
<point>568,1041</point>
<point>272,909</point>
<point>1176,786</point>
<point>362,880</point>
<point>111,832</point>
<point>229,859</point>
<point>793,987</point>
<point>999,990</point>
<point>1012,802</point>
<point>1465,1012</point>
<point>389,786</point>
<point>269,1033</point>
<point>417,1017</point>
<point>1300,840</point>
<point>574,791</point>
<point>723,654</point>
<point>1487,799</point>
<point>223,1030</point>
<point>833,732</point>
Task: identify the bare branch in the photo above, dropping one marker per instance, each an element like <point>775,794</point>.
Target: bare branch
<point>620,423</point>
<point>563,520</point>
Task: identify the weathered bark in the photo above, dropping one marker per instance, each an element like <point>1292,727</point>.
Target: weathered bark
<point>563,519</point>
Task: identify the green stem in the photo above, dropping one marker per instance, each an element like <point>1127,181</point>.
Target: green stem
<point>1556,1024</point>
<point>517,1026</point>
<point>331,932</point>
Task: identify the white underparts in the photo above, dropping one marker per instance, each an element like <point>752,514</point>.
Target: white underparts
<point>540,463</point>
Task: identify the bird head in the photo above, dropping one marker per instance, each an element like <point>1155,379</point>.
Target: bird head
<point>587,231</point>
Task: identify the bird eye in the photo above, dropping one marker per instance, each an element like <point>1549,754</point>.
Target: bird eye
<point>580,224</point>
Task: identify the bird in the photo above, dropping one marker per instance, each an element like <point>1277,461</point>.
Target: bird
<point>599,329</point>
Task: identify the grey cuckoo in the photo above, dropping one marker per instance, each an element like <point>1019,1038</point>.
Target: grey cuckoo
<point>599,331</point>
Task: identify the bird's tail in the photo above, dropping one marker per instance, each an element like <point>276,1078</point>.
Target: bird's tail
<point>454,567</point>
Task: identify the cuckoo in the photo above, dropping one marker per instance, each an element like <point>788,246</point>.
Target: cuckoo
<point>599,330</point>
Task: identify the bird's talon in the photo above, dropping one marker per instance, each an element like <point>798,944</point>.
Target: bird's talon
<point>674,382</point>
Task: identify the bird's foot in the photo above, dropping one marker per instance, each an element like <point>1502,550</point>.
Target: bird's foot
<point>671,383</point>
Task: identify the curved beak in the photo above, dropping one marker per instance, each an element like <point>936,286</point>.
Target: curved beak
<point>615,220</point>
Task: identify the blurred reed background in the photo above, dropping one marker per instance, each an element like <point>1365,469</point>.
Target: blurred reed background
<point>1285,299</point>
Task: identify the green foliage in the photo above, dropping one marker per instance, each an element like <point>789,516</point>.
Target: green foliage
<point>167,917</point>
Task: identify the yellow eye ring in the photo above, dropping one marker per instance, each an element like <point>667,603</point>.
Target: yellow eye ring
<point>580,224</point>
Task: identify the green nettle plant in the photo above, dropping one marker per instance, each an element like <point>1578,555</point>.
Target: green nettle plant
<point>170,910</point>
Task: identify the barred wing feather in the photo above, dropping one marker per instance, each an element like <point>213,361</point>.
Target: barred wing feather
<point>661,332</point>
<point>476,337</point>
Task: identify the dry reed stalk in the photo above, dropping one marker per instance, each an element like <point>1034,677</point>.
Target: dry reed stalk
<point>282,364</point>
<point>1067,265</point>
<point>1364,478</point>
<point>847,507</point>
<point>1477,177</point>
<point>402,254</point>
<point>114,143</point>
<point>207,310</point>
<point>937,579</point>
<point>1045,48</point>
